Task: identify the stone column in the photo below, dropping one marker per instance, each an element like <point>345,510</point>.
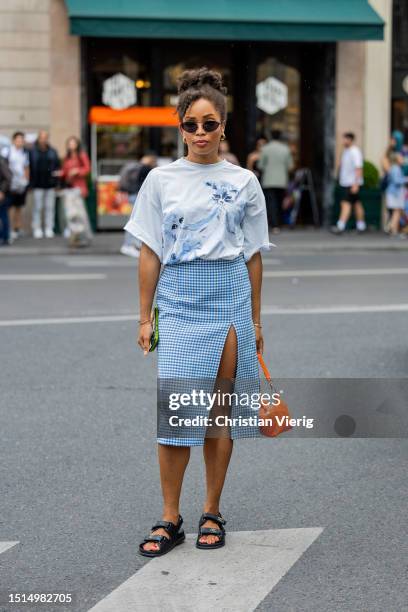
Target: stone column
<point>65,89</point>
<point>24,66</point>
<point>363,89</point>
<point>350,94</point>
<point>378,77</point>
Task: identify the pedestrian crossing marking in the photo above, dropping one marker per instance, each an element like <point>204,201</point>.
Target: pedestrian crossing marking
<point>234,578</point>
<point>6,545</point>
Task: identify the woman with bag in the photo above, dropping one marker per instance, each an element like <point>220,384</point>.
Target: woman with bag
<point>74,173</point>
<point>205,220</point>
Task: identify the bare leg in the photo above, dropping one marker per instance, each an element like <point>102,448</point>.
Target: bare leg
<point>395,221</point>
<point>345,211</point>
<point>12,217</point>
<point>17,217</point>
<point>218,450</point>
<point>173,461</point>
<point>359,211</point>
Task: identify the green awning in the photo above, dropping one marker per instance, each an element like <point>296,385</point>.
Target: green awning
<point>291,20</point>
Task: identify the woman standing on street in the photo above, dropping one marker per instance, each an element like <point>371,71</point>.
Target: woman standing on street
<point>74,173</point>
<point>205,220</point>
<point>76,166</point>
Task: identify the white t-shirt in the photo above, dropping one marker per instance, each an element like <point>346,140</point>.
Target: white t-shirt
<point>351,159</point>
<point>18,162</point>
<point>185,210</point>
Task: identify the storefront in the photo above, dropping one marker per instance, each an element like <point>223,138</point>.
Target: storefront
<point>278,62</point>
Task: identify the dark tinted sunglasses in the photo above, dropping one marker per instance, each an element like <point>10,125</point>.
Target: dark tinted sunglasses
<point>208,126</point>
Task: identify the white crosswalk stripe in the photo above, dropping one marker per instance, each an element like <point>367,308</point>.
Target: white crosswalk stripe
<point>6,545</point>
<point>51,277</point>
<point>299,310</point>
<point>234,578</point>
<point>335,273</point>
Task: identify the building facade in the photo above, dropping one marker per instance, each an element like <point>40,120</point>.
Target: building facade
<point>313,80</point>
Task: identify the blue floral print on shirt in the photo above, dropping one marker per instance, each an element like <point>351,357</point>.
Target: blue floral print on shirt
<point>186,236</point>
<point>225,196</point>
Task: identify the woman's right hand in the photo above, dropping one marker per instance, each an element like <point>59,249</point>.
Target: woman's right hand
<point>145,333</point>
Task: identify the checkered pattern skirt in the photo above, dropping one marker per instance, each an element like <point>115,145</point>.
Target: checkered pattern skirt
<point>198,301</point>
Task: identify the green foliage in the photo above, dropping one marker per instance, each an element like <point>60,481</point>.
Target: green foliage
<point>371,175</point>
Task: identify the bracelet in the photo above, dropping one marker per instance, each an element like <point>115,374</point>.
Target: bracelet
<point>143,322</point>
<point>258,324</point>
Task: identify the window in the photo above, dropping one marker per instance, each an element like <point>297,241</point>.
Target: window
<point>278,101</point>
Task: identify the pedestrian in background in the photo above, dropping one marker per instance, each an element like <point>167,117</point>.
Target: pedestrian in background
<point>275,163</point>
<point>397,144</point>
<point>5,182</point>
<point>44,164</point>
<point>395,193</point>
<point>132,177</point>
<point>76,167</point>
<point>18,162</point>
<point>350,180</point>
<point>225,153</point>
<point>253,157</point>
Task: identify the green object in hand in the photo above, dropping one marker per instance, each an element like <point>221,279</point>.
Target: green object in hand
<point>154,338</point>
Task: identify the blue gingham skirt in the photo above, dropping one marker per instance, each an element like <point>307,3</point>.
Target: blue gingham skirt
<point>198,301</point>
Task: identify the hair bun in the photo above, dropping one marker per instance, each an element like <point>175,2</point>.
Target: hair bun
<point>197,77</point>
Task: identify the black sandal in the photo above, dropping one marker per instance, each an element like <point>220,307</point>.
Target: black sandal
<point>202,531</point>
<point>177,536</point>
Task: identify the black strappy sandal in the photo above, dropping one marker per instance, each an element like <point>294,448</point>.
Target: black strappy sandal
<point>202,531</point>
<point>176,536</point>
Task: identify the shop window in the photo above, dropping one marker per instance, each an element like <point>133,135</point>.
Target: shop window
<point>278,102</point>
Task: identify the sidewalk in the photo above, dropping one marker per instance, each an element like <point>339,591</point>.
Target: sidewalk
<point>316,240</point>
<point>288,241</point>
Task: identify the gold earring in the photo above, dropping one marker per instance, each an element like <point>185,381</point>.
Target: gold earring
<point>185,141</point>
<point>222,136</point>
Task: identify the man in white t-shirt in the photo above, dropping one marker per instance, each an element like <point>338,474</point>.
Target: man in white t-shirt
<point>18,161</point>
<point>350,179</point>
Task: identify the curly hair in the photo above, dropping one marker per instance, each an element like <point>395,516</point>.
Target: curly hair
<point>201,83</point>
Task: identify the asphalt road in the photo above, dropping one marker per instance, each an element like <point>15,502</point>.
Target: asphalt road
<point>79,480</point>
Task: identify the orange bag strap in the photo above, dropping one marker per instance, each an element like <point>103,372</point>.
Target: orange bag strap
<point>264,368</point>
<point>266,372</point>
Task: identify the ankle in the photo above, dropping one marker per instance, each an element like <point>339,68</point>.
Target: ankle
<point>212,508</point>
<point>170,514</point>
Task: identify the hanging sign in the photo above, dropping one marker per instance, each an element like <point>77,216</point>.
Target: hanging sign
<point>119,92</point>
<point>271,95</point>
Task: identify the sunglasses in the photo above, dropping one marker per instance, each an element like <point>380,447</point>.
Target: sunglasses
<point>208,126</point>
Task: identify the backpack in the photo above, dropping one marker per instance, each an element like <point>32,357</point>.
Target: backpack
<point>129,177</point>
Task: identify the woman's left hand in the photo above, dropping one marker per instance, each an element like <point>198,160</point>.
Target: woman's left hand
<point>259,340</point>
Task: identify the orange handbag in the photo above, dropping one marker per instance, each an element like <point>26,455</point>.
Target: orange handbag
<point>278,415</point>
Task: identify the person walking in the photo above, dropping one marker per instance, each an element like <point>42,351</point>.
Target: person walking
<point>74,173</point>
<point>205,220</point>
<point>5,183</point>
<point>44,166</point>
<point>350,180</point>
<point>18,161</point>
<point>275,162</point>
<point>395,193</point>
